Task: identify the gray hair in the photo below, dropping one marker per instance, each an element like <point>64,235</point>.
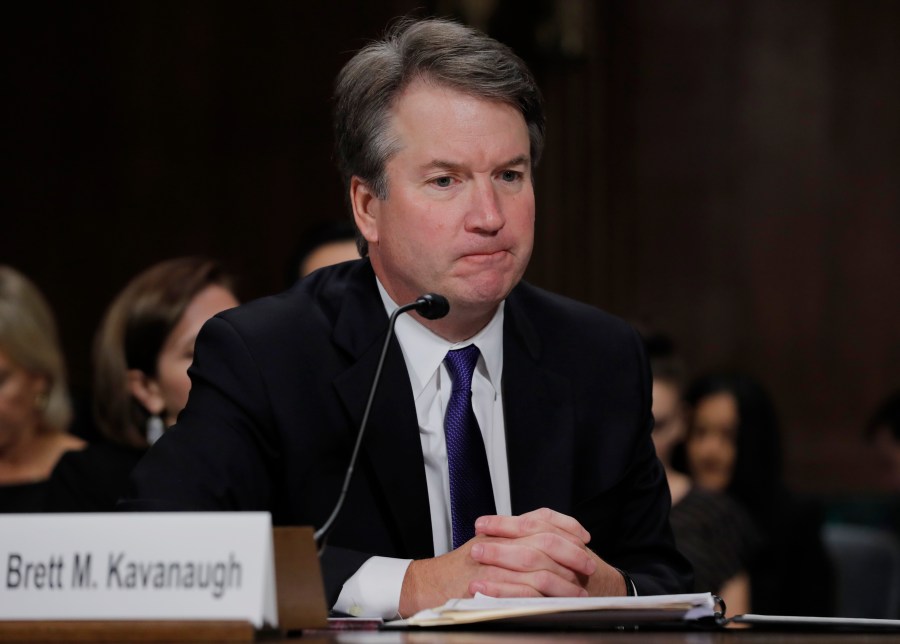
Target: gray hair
<point>29,338</point>
<point>439,51</point>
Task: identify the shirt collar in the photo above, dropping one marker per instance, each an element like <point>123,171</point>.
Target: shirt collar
<point>424,351</point>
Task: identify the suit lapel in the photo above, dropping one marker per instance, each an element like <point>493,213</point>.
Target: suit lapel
<point>539,418</point>
<point>538,413</point>
<point>391,448</point>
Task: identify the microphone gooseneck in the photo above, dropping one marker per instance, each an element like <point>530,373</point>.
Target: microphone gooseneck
<point>430,306</point>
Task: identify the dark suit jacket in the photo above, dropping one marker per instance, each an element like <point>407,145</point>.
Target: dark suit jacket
<point>279,387</point>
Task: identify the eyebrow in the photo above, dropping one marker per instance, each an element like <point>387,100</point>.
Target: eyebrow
<point>441,164</point>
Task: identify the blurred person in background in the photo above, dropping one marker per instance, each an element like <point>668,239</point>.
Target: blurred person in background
<point>35,410</point>
<point>322,244</point>
<point>142,352</point>
<point>711,529</point>
<point>733,446</point>
<point>883,430</point>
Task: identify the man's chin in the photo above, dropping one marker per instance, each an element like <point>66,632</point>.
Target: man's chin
<point>481,297</point>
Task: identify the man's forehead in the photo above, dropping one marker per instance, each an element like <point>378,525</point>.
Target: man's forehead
<point>436,118</point>
<point>440,99</point>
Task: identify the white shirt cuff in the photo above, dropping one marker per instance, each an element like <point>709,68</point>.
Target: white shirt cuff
<point>374,590</point>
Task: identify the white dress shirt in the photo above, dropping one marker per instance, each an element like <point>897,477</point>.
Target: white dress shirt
<point>374,590</point>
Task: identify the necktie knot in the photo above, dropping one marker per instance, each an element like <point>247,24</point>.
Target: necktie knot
<point>461,365</point>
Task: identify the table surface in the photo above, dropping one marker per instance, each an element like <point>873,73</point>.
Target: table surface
<point>734,636</point>
<point>242,632</point>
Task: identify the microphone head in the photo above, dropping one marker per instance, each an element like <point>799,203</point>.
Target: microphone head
<point>432,306</point>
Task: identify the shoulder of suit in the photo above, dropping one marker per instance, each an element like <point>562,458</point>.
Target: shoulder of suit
<point>316,298</point>
<point>547,308</point>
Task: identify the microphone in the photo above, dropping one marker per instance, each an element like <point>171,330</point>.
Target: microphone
<point>430,306</point>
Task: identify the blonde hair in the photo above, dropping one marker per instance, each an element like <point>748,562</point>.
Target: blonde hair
<point>29,338</point>
<point>132,334</point>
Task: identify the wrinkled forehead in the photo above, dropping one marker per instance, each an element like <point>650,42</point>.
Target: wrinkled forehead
<point>443,116</point>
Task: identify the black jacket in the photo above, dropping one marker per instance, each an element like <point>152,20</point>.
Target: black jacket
<point>278,391</point>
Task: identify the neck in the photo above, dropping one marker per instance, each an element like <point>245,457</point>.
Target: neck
<point>679,484</point>
<point>461,323</point>
<point>18,455</point>
<point>20,445</point>
<point>458,327</point>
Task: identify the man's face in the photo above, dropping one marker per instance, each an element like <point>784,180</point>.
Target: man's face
<point>459,215</point>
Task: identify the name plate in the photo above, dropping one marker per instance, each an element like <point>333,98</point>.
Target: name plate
<point>156,566</point>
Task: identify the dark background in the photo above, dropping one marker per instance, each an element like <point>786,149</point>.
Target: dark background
<point>728,172</point>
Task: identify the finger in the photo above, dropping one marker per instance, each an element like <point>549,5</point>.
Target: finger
<point>540,583</point>
<point>518,559</point>
<point>535,522</point>
<point>561,521</point>
<point>500,589</point>
<point>520,526</point>
<point>536,552</point>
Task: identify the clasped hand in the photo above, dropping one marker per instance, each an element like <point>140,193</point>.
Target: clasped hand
<point>541,553</point>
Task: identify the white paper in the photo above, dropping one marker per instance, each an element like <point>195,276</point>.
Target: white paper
<point>484,608</point>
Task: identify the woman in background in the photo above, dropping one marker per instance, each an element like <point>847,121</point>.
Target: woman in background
<point>711,529</point>
<point>35,410</point>
<point>883,431</point>
<point>142,352</point>
<point>733,446</point>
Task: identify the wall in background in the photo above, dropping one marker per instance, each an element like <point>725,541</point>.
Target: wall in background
<point>744,160</point>
<point>726,172</point>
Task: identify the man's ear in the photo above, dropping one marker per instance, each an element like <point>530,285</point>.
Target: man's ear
<point>366,206</point>
<point>147,391</point>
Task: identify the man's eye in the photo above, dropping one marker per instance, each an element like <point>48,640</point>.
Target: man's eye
<point>443,182</point>
<point>510,175</point>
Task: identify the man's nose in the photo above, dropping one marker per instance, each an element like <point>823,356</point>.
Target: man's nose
<point>486,210</point>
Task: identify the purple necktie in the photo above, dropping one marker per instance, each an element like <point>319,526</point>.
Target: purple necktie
<point>471,494</point>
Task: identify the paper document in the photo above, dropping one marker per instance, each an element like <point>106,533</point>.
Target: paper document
<point>820,623</point>
<point>482,608</point>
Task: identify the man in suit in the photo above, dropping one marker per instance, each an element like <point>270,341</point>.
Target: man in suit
<point>438,130</point>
